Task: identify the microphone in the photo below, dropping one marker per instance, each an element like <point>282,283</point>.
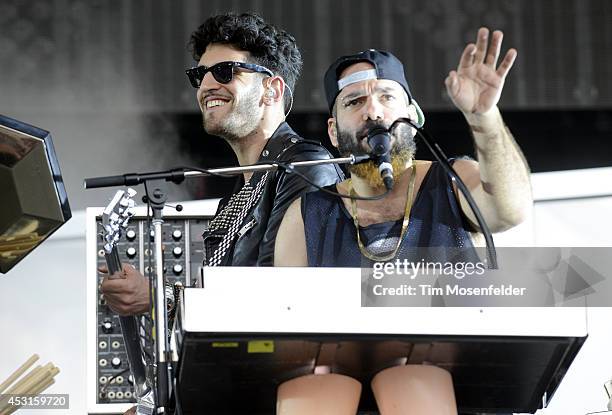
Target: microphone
<point>379,141</point>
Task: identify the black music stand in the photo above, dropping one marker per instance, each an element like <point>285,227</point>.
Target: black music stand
<point>34,201</point>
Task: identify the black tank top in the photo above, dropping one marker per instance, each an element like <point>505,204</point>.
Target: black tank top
<point>437,229</point>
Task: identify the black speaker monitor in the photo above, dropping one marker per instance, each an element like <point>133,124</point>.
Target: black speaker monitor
<point>34,200</point>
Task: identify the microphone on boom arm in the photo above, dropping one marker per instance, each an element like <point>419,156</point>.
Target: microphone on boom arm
<point>379,140</point>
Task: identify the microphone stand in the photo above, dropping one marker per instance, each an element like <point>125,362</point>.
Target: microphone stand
<point>178,175</point>
<point>157,198</point>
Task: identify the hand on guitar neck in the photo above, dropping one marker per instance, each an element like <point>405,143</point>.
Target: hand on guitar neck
<point>126,292</point>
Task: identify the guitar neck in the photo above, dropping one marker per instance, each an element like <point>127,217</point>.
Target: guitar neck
<point>112,261</point>
<point>131,336</point>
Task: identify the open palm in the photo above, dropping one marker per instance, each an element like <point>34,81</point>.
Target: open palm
<point>476,85</point>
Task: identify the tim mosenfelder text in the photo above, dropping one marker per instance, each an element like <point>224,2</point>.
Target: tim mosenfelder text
<point>406,269</point>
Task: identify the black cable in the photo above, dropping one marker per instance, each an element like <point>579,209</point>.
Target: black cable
<point>146,356</point>
<point>147,338</point>
<point>145,329</point>
<point>291,169</point>
<point>443,160</point>
<point>108,381</point>
<point>178,410</point>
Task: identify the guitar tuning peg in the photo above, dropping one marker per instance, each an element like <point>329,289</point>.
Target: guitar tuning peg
<point>131,192</point>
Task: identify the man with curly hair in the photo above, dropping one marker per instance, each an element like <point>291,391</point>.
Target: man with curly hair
<point>246,74</point>
<point>245,77</point>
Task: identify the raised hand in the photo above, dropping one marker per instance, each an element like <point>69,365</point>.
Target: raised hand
<point>476,85</point>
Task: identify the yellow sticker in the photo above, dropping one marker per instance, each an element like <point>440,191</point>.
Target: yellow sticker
<point>261,346</point>
<point>225,344</point>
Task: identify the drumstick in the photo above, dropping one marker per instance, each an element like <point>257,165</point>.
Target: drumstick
<point>13,377</point>
<point>32,379</point>
<point>20,371</point>
<point>31,384</point>
<point>41,388</point>
<point>44,378</point>
<point>4,401</point>
<point>24,379</point>
<point>49,375</point>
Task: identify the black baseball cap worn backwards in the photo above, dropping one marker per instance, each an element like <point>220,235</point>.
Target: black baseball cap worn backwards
<point>386,66</point>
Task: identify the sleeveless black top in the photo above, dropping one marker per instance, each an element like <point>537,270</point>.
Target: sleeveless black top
<point>437,229</point>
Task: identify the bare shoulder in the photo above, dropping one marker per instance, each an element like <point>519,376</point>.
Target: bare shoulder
<point>422,167</point>
<point>290,245</point>
<point>294,211</point>
<point>469,171</point>
<point>465,165</point>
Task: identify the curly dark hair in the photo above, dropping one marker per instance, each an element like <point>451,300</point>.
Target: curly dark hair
<point>268,46</point>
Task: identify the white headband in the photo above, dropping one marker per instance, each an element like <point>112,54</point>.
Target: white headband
<point>357,77</point>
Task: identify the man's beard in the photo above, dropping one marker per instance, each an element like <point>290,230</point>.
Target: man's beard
<point>402,152</point>
<point>240,122</point>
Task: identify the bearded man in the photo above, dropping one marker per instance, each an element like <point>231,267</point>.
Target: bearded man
<point>424,208</point>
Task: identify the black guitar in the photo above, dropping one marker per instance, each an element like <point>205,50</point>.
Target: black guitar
<point>115,220</point>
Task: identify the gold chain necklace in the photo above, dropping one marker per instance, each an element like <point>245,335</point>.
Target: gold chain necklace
<point>405,221</point>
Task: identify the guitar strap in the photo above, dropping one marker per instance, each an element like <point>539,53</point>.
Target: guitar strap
<point>223,229</point>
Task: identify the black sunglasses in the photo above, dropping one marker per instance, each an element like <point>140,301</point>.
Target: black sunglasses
<point>223,72</point>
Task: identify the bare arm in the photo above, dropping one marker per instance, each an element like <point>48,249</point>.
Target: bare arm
<point>290,246</point>
<point>499,182</point>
